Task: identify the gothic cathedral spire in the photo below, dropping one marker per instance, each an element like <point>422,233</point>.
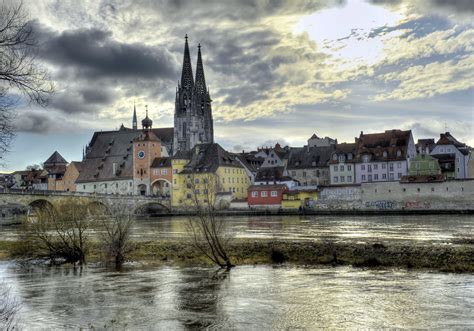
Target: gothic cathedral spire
<point>187,81</point>
<point>200,80</point>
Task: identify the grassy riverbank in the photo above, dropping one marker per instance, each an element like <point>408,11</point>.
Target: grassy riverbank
<point>447,258</point>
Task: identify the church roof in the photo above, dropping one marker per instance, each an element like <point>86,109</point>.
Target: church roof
<point>109,147</point>
<point>54,159</point>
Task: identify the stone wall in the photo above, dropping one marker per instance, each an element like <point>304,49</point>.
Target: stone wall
<point>448,195</point>
<point>340,197</point>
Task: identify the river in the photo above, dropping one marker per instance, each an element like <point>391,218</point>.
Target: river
<point>254,297</point>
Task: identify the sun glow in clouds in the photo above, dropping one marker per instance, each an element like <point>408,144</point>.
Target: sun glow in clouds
<point>344,32</point>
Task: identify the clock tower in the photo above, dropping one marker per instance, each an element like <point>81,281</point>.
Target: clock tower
<point>146,147</point>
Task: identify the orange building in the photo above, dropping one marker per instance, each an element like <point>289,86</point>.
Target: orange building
<point>161,177</point>
<point>70,176</point>
<point>146,148</point>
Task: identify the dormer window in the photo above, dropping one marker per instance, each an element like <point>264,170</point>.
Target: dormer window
<point>384,153</point>
<point>341,158</point>
<point>313,163</point>
<point>399,153</point>
<point>349,156</point>
<point>334,157</point>
<point>365,158</point>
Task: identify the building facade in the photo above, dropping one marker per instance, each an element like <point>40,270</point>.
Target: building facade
<point>342,164</point>
<point>452,155</point>
<point>309,165</point>
<point>383,156</point>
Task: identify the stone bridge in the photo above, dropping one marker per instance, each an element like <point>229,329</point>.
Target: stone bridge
<point>29,200</point>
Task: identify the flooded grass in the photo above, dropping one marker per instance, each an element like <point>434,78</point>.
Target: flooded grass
<point>439,257</point>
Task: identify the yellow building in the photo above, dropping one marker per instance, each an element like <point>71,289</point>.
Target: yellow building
<point>205,175</point>
<point>295,199</point>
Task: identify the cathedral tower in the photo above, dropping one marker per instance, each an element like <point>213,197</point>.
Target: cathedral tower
<point>193,122</point>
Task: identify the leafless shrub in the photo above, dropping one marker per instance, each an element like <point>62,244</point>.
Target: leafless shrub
<point>9,307</point>
<point>116,231</point>
<point>209,232</point>
<point>62,231</point>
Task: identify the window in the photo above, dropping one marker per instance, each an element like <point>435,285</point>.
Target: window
<point>391,176</point>
<point>304,173</point>
<point>384,166</point>
<point>399,165</point>
<point>432,189</point>
<point>341,168</point>
<point>370,178</point>
<point>399,153</point>
<point>293,173</point>
<point>365,158</point>
<point>334,157</point>
<point>391,166</point>
<point>349,156</point>
<point>363,177</point>
<point>274,194</point>
<point>376,166</point>
<point>335,168</point>
<point>399,175</point>
<point>384,176</point>
<point>342,179</point>
<point>349,179</point>
<point>335,179</point>
<point>349,167</point>
<point>196,191</point>
<point>362,167</point>
<point>369,168</point>
<point>264,194</point>
<point>341,158</point>
<point>84,187</point>
<point>384,153</point>
<point>175,171</point>
<point>196,181</point>
<point>254,194</point>
<point>164,171</point>
<point>376,177</point>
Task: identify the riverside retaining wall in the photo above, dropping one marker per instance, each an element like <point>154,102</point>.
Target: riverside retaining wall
<point>449,195</point>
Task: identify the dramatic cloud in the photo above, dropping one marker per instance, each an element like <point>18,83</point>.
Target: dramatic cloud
<point>275,68</point>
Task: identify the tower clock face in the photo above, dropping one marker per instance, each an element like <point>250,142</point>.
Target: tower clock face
<point>141,154</point>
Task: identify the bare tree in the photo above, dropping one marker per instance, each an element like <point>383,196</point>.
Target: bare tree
<point>117,228</point>
<point>63,231</point>
<point>20,72</point>
<point>209,232</point>
<point>9,307</point>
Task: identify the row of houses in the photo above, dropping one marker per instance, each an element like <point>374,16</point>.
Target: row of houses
<point>139,162</point>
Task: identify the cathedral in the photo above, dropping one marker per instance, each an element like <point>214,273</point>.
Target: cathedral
<point>136,161</point>
<point>193,113</point>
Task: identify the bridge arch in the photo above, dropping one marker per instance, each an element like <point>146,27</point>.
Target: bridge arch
<point>161,187</point>
<point>150,208</point>
<point>98,207</point>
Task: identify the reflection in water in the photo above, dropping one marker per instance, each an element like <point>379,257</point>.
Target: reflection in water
<point>248,297</point>
<point>438,228</point>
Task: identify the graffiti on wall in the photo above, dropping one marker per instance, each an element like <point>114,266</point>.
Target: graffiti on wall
<point>381,204</point>
<point>417,205</point>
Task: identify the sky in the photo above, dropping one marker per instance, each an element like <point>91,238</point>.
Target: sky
<point>278,71</point>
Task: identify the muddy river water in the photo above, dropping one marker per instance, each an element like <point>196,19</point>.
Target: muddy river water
<point>254,297</point>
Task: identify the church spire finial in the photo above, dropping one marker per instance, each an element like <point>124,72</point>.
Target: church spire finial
<point>187,81</point>
<point>200,79</point>
<point>134,119</point>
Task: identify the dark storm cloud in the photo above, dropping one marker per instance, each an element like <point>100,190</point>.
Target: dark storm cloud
<point>33,123</point>
<point>98,96</point>
<point>461,6</point>
<point>94,53</point>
